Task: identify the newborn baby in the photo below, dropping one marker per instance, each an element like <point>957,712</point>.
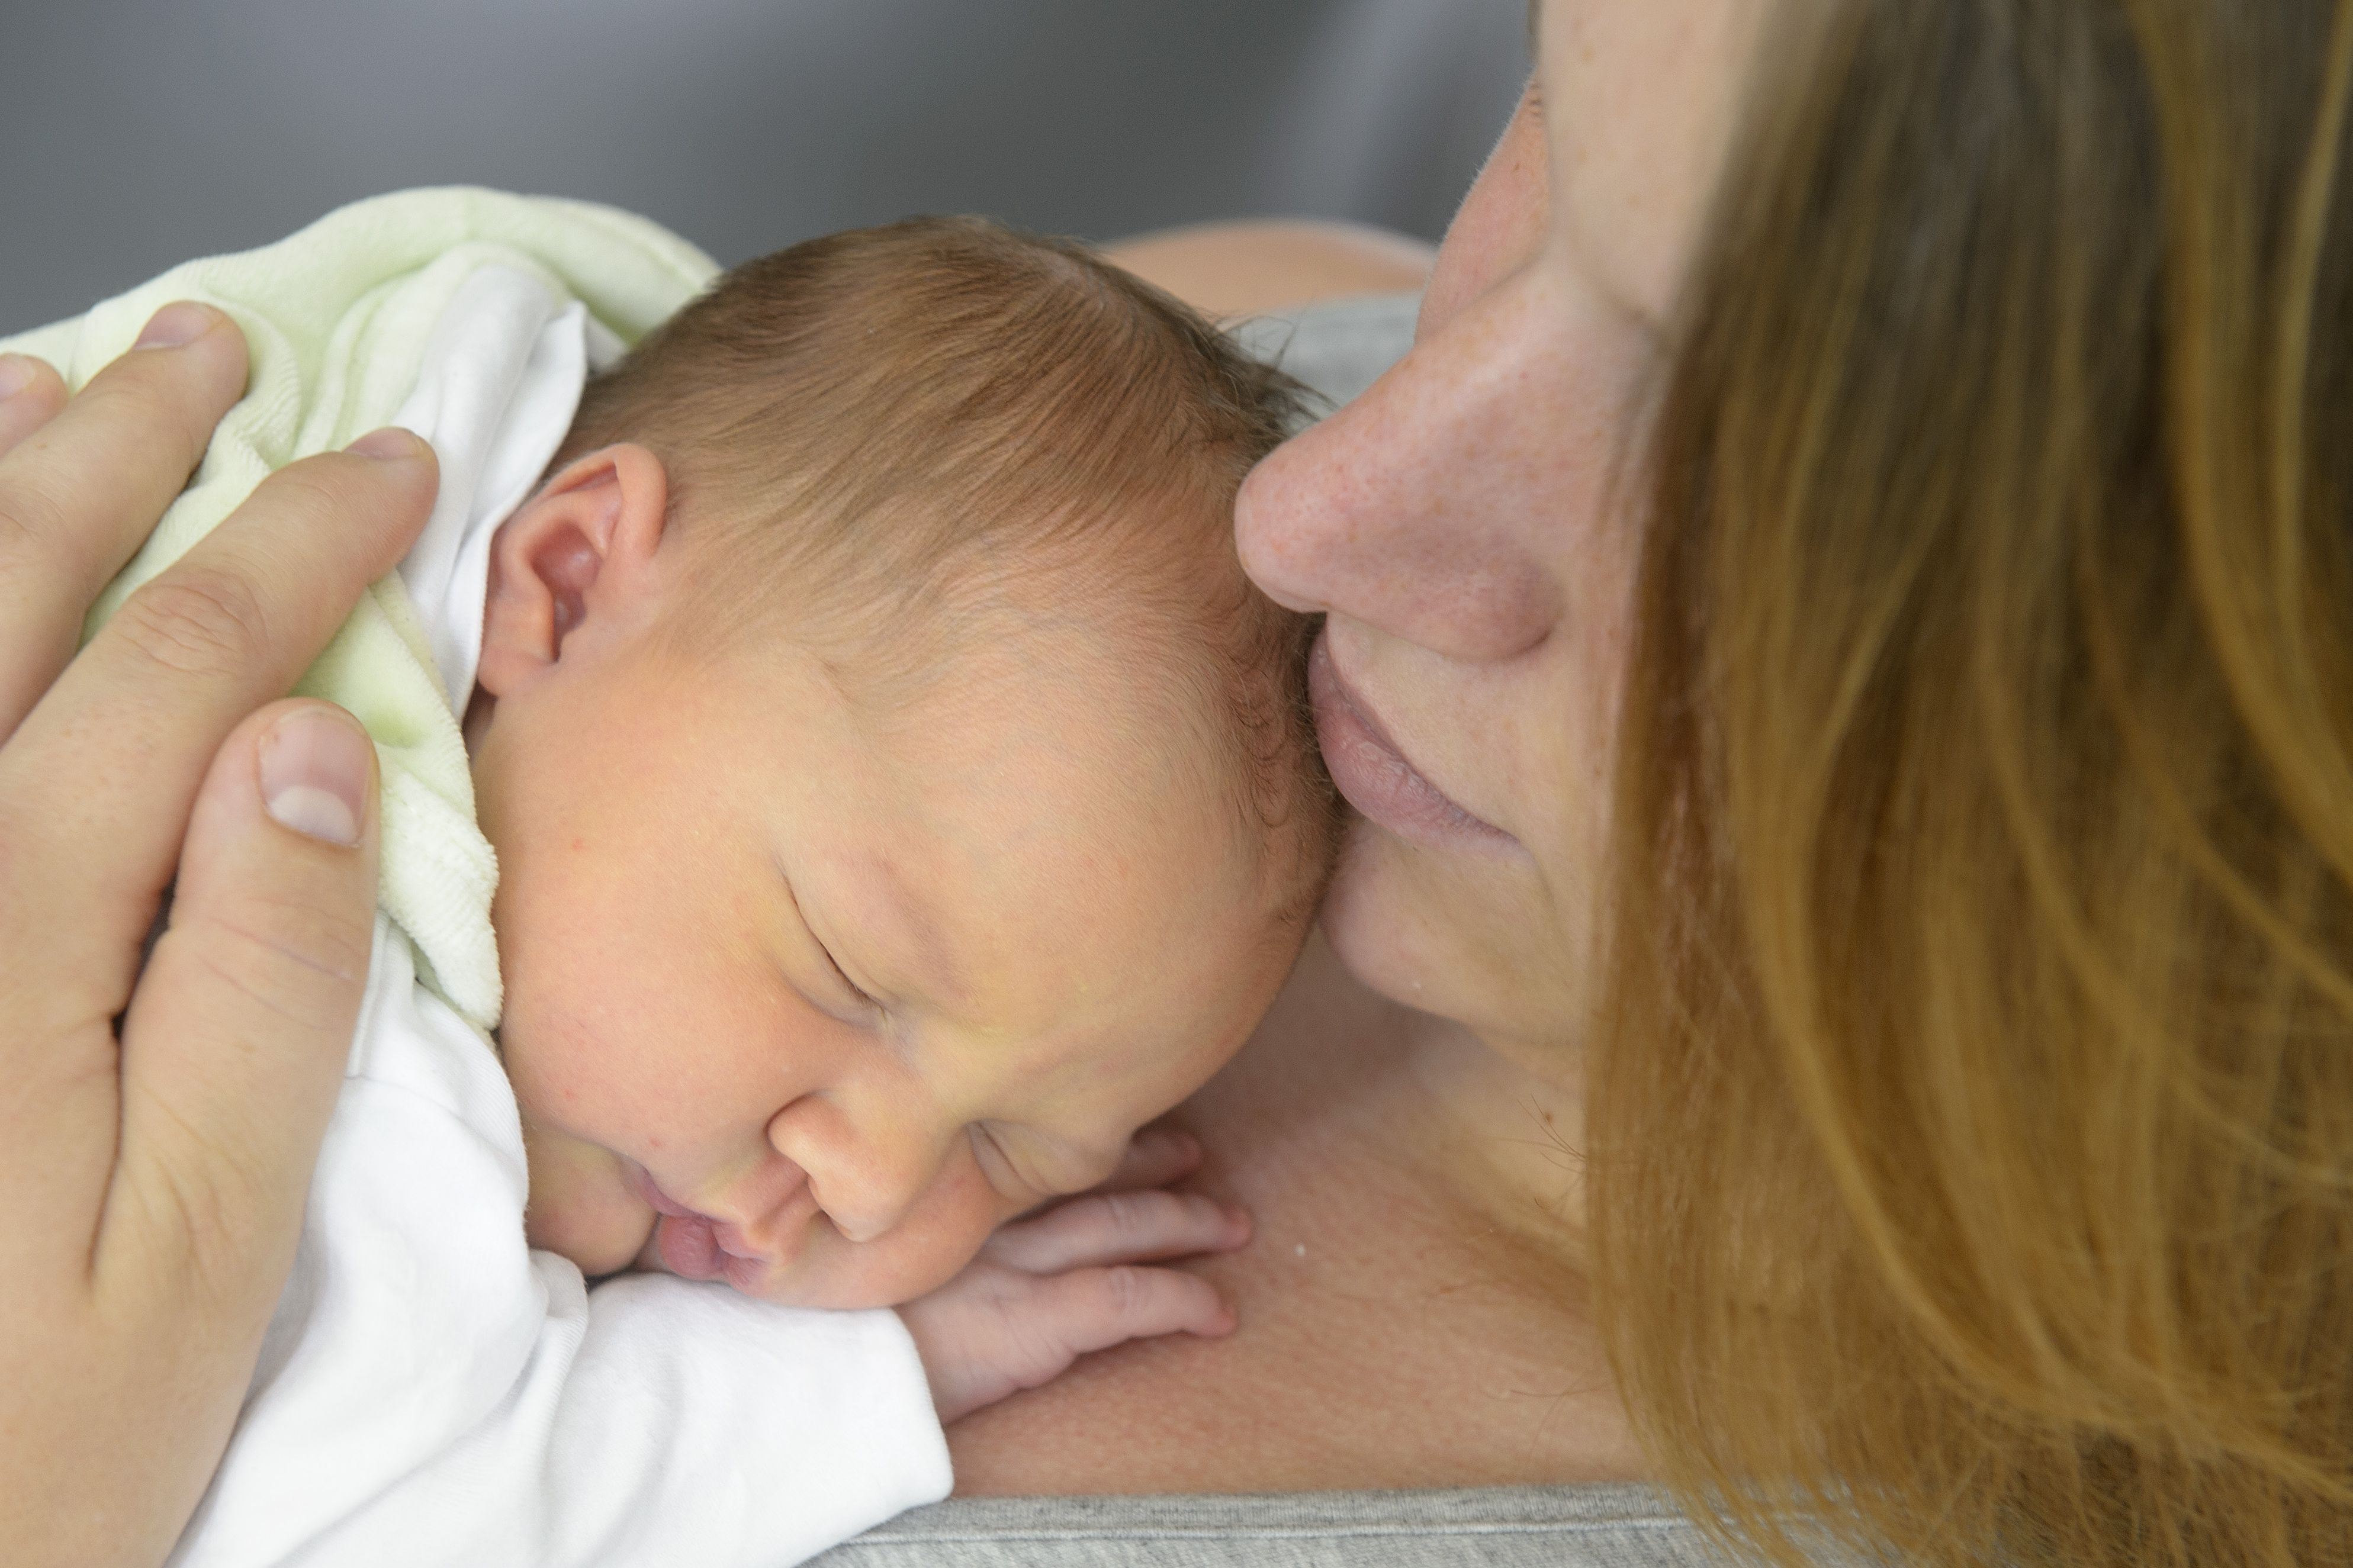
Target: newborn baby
<point>899,793</point>
<point>900,798</point>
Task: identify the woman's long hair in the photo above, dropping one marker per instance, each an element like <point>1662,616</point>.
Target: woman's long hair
<point>1972,1122</point>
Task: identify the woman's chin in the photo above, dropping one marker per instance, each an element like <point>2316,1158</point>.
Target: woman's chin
<point>1415,929</point>
<point>1375,918</point>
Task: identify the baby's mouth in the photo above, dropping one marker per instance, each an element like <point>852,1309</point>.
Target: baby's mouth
<point>697,1245</point>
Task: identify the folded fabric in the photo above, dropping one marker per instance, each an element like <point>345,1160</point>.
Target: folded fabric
<point>338,319</point>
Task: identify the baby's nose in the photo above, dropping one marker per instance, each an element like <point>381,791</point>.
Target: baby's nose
<point>776,1204</point>
<point>867,1170</point>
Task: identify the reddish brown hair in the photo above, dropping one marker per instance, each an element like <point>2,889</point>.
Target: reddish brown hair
<point>1972,1130</point>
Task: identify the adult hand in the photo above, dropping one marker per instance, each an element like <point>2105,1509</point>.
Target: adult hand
<point>158,1129</point>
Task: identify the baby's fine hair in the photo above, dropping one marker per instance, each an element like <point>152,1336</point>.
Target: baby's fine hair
<point>888,430</point>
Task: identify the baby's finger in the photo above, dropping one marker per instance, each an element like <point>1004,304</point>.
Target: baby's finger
<point>1155,1157</point>
<point>1095,1309</point>
<point>1119,1227</point>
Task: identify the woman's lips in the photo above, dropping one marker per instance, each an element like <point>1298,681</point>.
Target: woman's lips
<point>1376,776</point>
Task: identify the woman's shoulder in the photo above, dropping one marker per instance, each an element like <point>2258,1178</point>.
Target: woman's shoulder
<point>1336,347</point>
<point>1331,304</point>
<point>1253,267</point>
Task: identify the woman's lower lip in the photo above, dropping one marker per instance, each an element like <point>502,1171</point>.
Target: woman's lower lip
<point>1375,775</point>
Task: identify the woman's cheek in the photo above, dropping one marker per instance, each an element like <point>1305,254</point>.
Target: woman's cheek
<point>1499,228</point>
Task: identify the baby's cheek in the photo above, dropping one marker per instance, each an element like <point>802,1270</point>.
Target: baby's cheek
<point>580,1206</point>
<point>945,1230</point>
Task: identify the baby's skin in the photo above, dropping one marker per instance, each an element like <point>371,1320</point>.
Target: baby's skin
<point>815,998</point>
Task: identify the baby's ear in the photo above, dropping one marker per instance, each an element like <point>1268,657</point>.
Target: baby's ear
<point>574,567</point>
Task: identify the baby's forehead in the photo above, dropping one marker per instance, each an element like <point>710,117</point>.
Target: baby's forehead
<point>1056,744</point>
<point>1044,766</point>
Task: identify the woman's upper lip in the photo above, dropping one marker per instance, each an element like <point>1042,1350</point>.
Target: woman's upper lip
<point>1393,792</point>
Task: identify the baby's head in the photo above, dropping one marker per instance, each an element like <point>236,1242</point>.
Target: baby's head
<point>901,795</point>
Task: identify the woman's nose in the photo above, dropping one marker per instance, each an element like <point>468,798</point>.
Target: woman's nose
<point>1417,509</point>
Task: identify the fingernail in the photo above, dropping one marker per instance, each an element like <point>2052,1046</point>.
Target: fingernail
<point>385,445</point>
<point>17,373</point>
<point>315,774</point>
<point>176,324</point>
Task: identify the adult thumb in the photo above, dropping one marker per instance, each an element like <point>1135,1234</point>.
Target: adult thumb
<point>235,1042</point>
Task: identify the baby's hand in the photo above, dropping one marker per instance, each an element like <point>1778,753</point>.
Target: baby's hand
<point>1046,1291</point>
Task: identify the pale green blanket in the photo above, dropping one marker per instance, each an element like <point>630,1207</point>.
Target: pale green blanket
<point>336,319</point>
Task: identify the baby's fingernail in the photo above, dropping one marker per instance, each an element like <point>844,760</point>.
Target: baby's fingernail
<point>17,373</point>
<point>175,325</point>
<point>387,445</point>
<point>315,774</point>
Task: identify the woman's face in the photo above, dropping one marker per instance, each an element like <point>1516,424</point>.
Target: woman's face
<point>1466,527</point>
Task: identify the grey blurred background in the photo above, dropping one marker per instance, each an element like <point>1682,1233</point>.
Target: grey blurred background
<point>158,130</point>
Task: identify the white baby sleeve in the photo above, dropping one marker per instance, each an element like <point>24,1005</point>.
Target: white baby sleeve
<point>432,1391</point>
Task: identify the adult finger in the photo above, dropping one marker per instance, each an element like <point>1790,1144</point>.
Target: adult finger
<point>79,494</point>
<point>31,393</point>
<point>1119,1227</point>
<point>96,785</point>
<point>1155,1157</point>
<point>235,1043</point>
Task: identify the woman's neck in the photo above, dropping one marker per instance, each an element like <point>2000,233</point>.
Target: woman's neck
<point>1500,1127</point>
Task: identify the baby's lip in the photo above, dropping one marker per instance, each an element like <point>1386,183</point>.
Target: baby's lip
<point>690,1247</point>
<point>700,1246</point>
<point>643,1183</point>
